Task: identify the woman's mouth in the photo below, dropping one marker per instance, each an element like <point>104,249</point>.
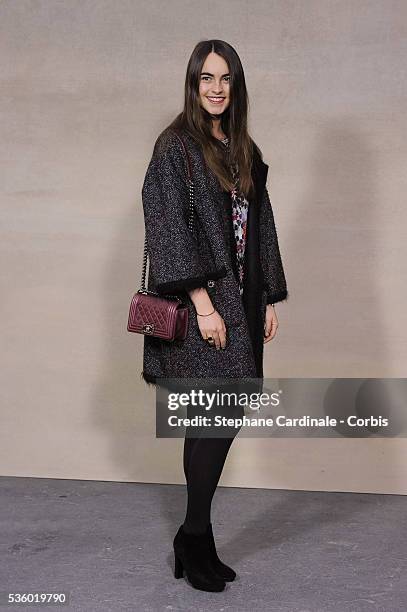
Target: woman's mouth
<point>215,100</point>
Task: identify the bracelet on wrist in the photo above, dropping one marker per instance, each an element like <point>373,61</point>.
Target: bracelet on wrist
<point>205,315</point>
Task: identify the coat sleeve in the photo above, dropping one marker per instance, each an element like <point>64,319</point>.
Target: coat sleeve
<point>274,276</point>
<point>174,258</point>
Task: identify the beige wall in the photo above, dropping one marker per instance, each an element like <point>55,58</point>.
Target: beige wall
<point>86,88</point>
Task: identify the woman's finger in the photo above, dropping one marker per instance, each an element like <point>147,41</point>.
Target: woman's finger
<point>222,337</point>
<point>216,337</point>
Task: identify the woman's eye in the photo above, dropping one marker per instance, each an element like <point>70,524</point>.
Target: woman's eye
<point>207,78</point>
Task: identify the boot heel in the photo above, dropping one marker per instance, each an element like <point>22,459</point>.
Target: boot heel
<point>179,569</point>
<point>191,553</point>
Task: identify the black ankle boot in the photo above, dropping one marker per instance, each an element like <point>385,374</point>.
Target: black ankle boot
<point>223,571</point>
<point>192,554</point>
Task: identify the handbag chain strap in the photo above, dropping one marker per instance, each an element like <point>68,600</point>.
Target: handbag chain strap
<point>190,222</point>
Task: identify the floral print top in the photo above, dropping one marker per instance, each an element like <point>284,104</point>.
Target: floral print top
<point>240,206</point>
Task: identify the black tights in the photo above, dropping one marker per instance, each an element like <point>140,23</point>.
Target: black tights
<point>204,458</point>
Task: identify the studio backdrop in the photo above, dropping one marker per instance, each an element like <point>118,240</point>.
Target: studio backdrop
<point>86,89</point>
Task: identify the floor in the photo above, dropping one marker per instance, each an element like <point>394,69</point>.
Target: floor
<point>108,546</point>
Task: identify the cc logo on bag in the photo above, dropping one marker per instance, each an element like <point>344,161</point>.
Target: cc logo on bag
<point>148,328</point>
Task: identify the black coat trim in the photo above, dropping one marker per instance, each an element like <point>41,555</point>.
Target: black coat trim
<point>150,379</point>
<point>190,283</point>
<point>273,298</point>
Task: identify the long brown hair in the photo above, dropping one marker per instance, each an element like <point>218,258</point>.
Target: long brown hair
<point>198,122</point>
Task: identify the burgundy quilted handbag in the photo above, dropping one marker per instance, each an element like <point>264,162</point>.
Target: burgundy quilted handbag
<point>165,317</point>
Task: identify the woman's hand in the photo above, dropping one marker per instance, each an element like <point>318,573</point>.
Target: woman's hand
<point>270,324</point>
<point>213,327</point>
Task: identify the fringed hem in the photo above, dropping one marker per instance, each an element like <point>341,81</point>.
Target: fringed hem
<point>149,379</point>
<point>190,283</point>
<point>281,296</point>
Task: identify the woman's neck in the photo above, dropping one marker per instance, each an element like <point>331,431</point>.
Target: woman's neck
<point>217,130</point>
<point>220,136</point>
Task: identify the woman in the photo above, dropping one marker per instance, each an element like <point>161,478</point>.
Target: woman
<point>227,268</point>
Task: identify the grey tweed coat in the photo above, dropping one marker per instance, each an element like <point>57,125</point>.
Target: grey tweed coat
<point>180,259</point>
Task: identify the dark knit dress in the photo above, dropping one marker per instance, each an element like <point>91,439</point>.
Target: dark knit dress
<point>242,223</point>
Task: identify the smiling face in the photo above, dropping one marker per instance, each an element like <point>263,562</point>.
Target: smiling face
<point>214,84</point>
